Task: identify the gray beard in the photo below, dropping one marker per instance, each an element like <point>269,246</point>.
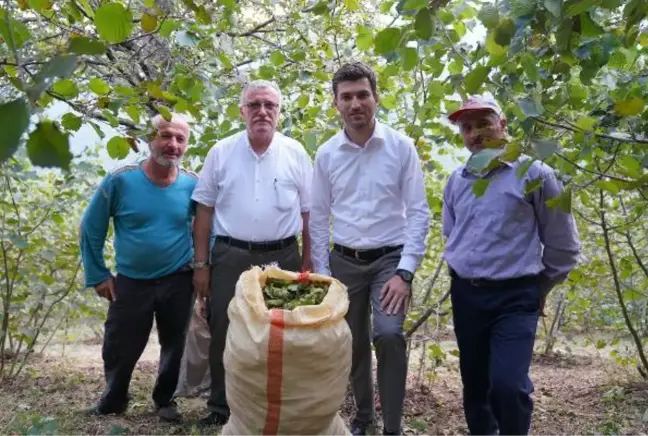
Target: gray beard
<point>162,161</point>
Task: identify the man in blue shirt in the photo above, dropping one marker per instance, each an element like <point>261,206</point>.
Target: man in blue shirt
<point>150,205</point>
<point>505,250</point>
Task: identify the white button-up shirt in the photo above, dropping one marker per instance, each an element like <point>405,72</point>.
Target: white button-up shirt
<point>256,198</point>
<point>376,195</point>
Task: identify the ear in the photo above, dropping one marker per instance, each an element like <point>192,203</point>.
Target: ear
<point>503,124</point>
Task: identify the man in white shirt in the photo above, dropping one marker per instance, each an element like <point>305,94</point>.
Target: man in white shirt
<point>255,188</point>
<point>368,177</point>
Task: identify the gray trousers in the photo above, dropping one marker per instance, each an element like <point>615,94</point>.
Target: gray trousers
<point>364,281</point>
<point>228,263</point>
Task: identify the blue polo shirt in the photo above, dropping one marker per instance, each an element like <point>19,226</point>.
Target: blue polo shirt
<point>152,225</point>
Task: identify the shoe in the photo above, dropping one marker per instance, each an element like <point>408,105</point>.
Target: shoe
<point>213,418</point>
<point>359,428</point>
<point>99,409</point>
<point>400,432</point>
<point>169,413</point>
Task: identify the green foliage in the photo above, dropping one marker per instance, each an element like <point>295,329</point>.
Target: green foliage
<point>570,76</point>
<point>42,283</point>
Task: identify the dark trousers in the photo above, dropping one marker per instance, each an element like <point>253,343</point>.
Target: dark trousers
<point>364,281</point>
<point>495,327</point>
<point>228,263</point>
<point>128,327</point>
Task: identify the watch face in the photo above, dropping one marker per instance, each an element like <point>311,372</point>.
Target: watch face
<point>406,275</point>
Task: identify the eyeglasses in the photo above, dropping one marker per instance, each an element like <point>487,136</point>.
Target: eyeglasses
<point>256,105</point>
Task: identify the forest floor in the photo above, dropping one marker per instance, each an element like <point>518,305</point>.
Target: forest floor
<point>581,392</point>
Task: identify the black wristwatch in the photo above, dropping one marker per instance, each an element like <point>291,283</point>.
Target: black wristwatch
<point>407,276</point>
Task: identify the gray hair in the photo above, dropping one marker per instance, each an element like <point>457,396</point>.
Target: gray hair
<point>259,84</point>
<point>175,118</point>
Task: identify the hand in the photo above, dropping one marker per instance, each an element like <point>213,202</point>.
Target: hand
<point>106,289</point>
<point>202,308</point>
<point>307,265</point>
<point>201,282</point>
<point>542,306</point>
<point>394,295</point>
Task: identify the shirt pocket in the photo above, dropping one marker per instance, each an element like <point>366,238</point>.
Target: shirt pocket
<point>285,194</point>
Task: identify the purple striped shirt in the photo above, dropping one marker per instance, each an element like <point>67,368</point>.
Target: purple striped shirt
<point>505,233</point>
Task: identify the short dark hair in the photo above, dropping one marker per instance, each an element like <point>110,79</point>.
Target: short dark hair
<point>355,71</point>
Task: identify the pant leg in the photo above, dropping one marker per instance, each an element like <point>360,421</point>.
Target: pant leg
<point>127,329</point>
<point>228,263</point>
<point>512,339</point>
<point>471,318</point>
<point>357,279</point>
<point>173,307</point>
<point>391,349</point>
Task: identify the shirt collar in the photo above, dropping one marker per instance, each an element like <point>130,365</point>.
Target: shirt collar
<point>378,136</point>
<point>246,142</point>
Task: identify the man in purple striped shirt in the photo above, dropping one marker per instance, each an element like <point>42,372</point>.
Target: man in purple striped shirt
<point>505,251</point>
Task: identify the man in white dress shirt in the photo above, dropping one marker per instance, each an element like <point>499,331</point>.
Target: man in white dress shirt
<point>255,188</point>
<point>368,177</point>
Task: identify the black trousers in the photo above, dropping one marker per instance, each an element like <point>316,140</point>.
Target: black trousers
<point>495,328</point>
<point>127,329</point>
<point>228,263</point>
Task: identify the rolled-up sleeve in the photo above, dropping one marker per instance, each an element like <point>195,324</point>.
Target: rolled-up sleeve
<point>206,187</point>
<point>557,231</point>
<point>417,211</point>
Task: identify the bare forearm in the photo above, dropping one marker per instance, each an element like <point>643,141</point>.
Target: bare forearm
<point>202,232</point>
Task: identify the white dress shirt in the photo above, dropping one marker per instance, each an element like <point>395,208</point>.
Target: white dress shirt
<point>375,194</point>
<point>256,198</point>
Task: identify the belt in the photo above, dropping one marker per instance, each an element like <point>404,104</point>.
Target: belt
<point>479,282</point>
<point>258,246</point>
<point>365,255</point>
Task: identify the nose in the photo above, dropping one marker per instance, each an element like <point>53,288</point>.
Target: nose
<point>355,103</point>
<point>263,110</point>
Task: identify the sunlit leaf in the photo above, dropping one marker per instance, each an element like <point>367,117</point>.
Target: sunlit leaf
<point>423,24</point>
<point>479,186</point>
<point>60,66</point>
<point>630,165</point>
<point>98,86</point>
<point>409,58</point>
<point>629,108</point>
<point>475,78</point>
<point>532,185</point>
<point>562,202</point>
<point>65,88</point>
<point>118,147</point>
<point>489,16</point>
<point>387,40</point>
<point>579,7</point>
<point>149,23</point>
<point>114,22</point>
<point>277,58</point>
<point>71,122</point>
<point>352,5</point>
<point>586,123</point>
<point>84,45</point>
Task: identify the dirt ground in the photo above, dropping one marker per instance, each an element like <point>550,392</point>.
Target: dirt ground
<point>574,394</point>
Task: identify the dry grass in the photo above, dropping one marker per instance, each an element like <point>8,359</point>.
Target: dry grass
<point>574,395</point>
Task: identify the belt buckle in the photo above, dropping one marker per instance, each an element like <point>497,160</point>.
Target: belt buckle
<point>475,282</point>
<point>356,255</point>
